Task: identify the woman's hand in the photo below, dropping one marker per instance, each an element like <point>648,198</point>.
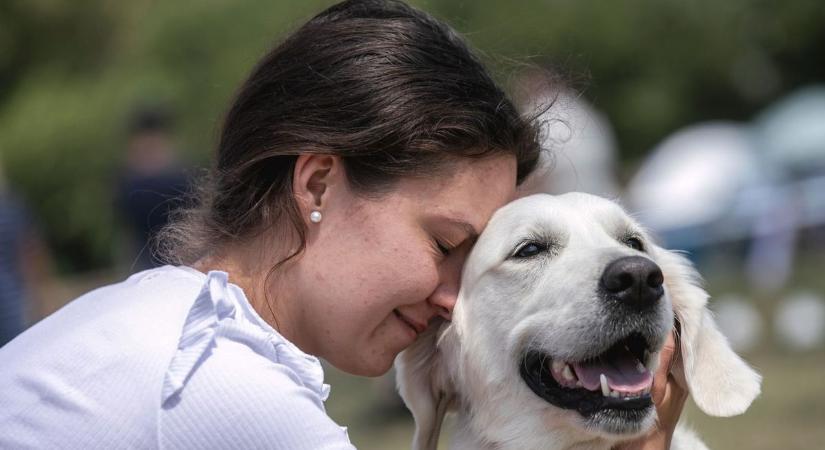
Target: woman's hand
<point>669,397</point>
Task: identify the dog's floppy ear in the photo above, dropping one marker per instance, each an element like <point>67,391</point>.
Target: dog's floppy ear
<point>719,381</point>
<point>424,384</point>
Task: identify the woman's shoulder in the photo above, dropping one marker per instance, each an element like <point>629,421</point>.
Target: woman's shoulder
<point>231,362</point>
<point>181,335</point>
<point>111,344</point>
<point>140,309</point>
<point>166,285</point>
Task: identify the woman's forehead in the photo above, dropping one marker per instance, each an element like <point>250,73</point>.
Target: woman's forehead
<point>467,195</point>
<point>488,177</point>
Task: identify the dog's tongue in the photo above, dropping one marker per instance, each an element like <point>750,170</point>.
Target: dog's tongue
<point>620,368</point>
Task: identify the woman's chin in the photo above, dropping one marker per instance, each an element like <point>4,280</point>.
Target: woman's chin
<point>375,367</point>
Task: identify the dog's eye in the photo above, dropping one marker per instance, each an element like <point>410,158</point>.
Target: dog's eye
<point>634,243</point>
<point>529,249</point>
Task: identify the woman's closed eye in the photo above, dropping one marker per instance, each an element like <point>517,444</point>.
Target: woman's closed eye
<point>444,247</point>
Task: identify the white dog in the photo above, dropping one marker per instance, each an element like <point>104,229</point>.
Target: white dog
<point>564,306</point>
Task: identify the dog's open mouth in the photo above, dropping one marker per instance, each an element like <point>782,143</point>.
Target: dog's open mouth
<point>618,379</point>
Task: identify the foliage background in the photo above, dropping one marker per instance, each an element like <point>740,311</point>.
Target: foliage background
<point>70,72</point>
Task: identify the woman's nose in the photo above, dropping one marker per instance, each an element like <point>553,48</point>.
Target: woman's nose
<point>443,299</point>
<point>446,293</point>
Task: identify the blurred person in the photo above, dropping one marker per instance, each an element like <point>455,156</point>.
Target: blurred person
<point>769,260</point>
<point>22,266</point>
<point>151,185</point>
<point>346,194</point>
<point>790,137</point>
<point>790,134</point>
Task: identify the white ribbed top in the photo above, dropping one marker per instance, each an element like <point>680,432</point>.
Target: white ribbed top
<point>170,358</point>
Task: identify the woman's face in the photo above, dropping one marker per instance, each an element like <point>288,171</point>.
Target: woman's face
<point>376,271</point>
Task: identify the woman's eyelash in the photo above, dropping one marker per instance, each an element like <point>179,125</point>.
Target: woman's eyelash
<point>444,246</point>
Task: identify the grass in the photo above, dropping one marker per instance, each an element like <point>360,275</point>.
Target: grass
<point>790,413</point>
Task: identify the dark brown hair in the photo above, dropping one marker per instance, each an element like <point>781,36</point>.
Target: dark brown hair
<point>388,88</point>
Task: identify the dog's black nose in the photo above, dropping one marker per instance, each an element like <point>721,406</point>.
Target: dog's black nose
<point>633,280</point>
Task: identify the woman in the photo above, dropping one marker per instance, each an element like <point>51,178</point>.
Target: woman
<point>356,167</point>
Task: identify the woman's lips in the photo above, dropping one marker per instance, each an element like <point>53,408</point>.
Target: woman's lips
<point>418,327</point>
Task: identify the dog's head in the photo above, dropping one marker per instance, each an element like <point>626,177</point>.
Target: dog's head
<point>564,306</point>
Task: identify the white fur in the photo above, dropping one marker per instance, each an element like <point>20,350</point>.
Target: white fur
<point>470,365</point>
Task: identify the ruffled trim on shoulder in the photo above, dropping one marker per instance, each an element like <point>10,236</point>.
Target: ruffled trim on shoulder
<point>307,367</point>
<point>215,313</point>
<point>212,306</point>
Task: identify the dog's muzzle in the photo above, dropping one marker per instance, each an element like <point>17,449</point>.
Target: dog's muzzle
<point>613,377</point>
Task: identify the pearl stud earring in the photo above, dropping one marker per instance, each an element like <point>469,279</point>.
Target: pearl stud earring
<point>315,216</point>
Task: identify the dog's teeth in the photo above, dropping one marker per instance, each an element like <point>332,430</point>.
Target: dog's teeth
<point>558,366</point>
<point>579,383</point>
<point>614,394</point>
<point>567,373</point>
<point>640,367</point>
<point>605,388</point>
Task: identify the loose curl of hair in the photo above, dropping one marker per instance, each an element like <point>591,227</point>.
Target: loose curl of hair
<point>389,89</point>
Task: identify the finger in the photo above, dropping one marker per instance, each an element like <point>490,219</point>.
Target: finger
<point>668,353</point>
<point>660,378</point>
<point>669,397</point>
<point>668,394</point>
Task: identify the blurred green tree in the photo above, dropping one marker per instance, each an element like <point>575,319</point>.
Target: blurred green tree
<point>70,72</point>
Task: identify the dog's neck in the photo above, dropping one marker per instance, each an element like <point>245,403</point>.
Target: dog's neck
<point>487,428</point>
<point>466,437</point>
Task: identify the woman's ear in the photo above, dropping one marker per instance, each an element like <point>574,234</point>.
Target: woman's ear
<point>719,381</point>
<point>313,176</point>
